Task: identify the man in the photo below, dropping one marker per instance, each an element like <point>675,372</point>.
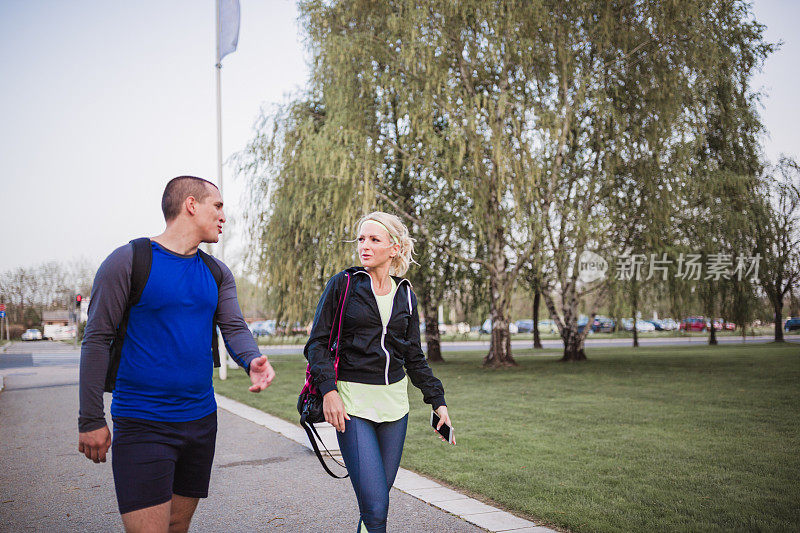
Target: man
<point>163,404</point>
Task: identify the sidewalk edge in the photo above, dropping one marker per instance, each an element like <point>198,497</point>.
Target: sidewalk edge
<point>413,484</point>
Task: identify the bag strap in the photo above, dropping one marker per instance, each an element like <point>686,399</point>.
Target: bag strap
<point>303,423</point>
<point>216,271</point>
<point>313,442</point>
<point>140,269</point>
<point>341,319</point>
<point>342,303</point>
<point>140,272</point>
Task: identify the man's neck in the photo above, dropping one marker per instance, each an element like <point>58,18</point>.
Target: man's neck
<point>178,239</point>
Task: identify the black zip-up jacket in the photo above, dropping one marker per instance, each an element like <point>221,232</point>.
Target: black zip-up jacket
<point>368,353</point>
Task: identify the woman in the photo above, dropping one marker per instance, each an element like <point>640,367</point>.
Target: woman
<point>368,404</point>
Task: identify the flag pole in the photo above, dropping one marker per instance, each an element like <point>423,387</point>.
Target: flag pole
<point>223,353</point>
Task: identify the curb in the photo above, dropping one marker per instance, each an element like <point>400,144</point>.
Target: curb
<point>420,487</point>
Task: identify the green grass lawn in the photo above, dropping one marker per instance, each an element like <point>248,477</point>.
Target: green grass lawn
<point>652,439</point>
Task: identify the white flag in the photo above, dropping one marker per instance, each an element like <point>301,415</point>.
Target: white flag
<point>228,36</point>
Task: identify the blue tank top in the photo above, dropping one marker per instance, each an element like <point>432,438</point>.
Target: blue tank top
<point>166,367</point>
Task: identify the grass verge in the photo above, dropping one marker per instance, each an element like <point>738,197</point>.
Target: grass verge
<point>652,439</point>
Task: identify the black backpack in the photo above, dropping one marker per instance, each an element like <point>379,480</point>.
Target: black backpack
<point>140,272</point>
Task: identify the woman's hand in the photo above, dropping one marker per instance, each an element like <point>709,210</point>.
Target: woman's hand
<point>444,418</point>
<point>333,409</point>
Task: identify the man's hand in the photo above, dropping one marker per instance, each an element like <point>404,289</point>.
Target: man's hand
<point>95,444</point>
<point>261,374</point>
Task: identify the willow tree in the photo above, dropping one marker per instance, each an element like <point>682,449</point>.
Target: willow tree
<point>501,116</point>
<point>300,216</point>
<point>442,134</point>
<point>726,167</point>
<point>616,110</point>
<point>359,66</point>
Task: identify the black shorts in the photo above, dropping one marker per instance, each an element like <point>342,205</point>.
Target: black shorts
<point>154,460</point>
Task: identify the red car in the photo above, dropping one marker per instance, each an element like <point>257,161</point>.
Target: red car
<point>694,323</point>
<point>720,324</point>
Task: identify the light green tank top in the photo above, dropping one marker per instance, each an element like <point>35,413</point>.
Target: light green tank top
<point>379,403</point>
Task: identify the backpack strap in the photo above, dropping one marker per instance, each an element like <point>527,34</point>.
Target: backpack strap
<point>216,271</point>
<point>140,272</point>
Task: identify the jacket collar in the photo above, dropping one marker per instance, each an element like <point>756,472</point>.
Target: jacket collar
<point>398,280</point>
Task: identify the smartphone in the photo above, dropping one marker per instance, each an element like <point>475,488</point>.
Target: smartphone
<point>445,431</point>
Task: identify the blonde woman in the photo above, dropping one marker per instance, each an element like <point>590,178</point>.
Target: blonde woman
<point>380,343</point>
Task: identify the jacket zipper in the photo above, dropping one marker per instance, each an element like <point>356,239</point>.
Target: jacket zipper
<point>385,328</point>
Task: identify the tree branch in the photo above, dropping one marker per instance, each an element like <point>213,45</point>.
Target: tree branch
<point>430,237</point>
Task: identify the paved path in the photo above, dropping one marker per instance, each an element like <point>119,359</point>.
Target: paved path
<point>260,480</point>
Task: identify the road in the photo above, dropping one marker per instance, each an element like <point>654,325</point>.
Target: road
<point>39,353</point>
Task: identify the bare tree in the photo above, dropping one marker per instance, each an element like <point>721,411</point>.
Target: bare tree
<point>778,235</point>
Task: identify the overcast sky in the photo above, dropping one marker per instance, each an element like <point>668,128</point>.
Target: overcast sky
<point>102,102</point>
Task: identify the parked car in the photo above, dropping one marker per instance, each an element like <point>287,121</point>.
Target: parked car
<point>791,324</point>
<point>582,321</point>
<point>32,335</point>
<point>462,328</point>
<point>487,327</point>
<point>641,325</point>
<point>525,325</point>
<point>547,326</point>
<point>442,328</point>
<point>720,324</point>
<point>694,323</point>
<point>59,332</point>
<point>263,328</point>
<point>602,324</point>
<point>669,324</point>
<point>657,324</point>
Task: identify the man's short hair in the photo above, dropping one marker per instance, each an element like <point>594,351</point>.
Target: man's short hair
<point>179,189</point>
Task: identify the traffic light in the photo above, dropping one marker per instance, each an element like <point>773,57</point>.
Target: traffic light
<point>78,300</point>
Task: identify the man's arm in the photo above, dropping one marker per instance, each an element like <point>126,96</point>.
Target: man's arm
<point>238,339</point>
<point>107,305</point>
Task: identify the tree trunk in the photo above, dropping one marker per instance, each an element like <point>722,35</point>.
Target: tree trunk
<point>712,336</point>
<point>778,307</point>
<point>431,313</point>
<point>573,342</point>
<point>500,348</point>
<point>635,307</point>
<point>537,340</point>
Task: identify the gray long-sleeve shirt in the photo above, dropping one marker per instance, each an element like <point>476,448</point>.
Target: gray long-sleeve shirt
<point>108,302</point>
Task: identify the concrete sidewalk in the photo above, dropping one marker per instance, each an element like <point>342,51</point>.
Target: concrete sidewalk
<point>261,480</point>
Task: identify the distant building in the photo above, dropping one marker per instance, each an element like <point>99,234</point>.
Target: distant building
<point>59,317</point>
